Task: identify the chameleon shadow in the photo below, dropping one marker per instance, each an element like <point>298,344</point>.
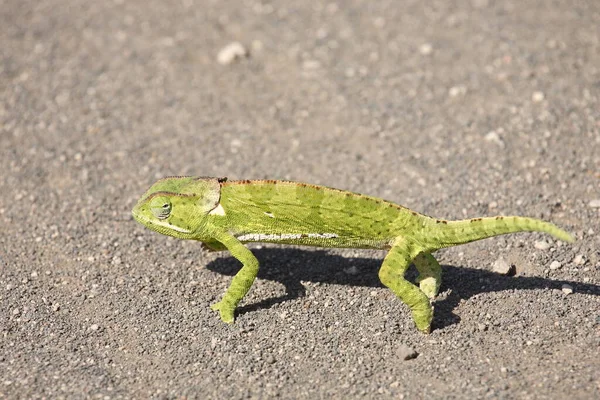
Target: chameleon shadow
<point>291,266</point>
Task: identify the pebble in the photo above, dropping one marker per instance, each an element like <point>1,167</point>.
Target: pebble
<point>311,64</point>
<point>457,91</point>
<point>231,52</point>
<point>554,265</point>
<point>426,49</point>
<point>594,203</point>
<point>541,245</point>
<point>352,270</point>
<point>567,289</point>
<point>579,260</point>
<point>538,97</point>
<point>500,266</point>
<point>94,327</point>
<point>493,136</point>
<point>405,352</point>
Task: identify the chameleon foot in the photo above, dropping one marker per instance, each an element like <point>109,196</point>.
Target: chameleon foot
<point>225,311</point>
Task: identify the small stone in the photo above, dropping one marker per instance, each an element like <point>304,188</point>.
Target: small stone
<point>353,270</point>
<point>457,91</point>
<point>567,289</point>
<point>426,49</point>
<point>311,64</point>
<point>579,260</point>
<point>503,268</point>
<point>55,307</point>
<point>537,97</point>
<point>231,52</point>
<point>405,352</point>
<point>16,311</point>
<point>554,265</point>
<point>94,327</point>
<point>594,203</point>
<point>541,245</point>
<point>493,136</point>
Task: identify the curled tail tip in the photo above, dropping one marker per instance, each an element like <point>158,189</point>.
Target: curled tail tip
<point>565,236</point>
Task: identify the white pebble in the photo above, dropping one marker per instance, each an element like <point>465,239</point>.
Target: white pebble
<point>594,203</point>
<point>493,136</point>
<point>567,289</point>
<point>537,97</point>
<point>94,327</point>
<point>311,64</point>
<point>231,52</point>
<point>426,49</point>
<point>457,91</point>
<point>579,260</point>
<point>554,265</point>
<point>541,245</point>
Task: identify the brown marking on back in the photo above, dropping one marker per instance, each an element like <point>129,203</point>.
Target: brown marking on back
<point>475,220</point>
<point>499,217</point>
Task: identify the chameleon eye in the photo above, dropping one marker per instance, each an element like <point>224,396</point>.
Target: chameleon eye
<point>161,207</point>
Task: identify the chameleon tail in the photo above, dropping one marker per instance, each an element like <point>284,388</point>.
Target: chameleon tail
<point>450,233</point>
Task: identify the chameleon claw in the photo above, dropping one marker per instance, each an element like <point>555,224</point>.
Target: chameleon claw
<point>225,311</point>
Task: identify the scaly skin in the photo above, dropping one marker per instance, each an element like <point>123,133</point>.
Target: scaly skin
<point>225,215</point>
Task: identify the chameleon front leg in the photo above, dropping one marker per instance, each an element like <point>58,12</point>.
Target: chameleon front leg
<point>241,282</point>
<point>391,274</point>
<point>430,274</point>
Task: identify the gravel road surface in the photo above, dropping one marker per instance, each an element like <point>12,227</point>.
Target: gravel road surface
<point>456,109</point>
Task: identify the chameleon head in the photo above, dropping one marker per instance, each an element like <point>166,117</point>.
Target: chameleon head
<point>178,206</point>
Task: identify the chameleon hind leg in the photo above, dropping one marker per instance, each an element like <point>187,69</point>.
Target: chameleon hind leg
<point>430,274</point>
<point>241,282</point>
<point>391,274</point>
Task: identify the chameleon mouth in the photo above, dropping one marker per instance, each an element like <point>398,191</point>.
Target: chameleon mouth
<point>157,225</point>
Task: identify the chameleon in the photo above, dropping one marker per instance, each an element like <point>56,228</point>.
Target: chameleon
<point>225,214</point>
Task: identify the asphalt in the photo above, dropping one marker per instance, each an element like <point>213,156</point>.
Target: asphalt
<point>453,108</point>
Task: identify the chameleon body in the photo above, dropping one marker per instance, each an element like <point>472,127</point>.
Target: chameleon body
<point>226,214</point>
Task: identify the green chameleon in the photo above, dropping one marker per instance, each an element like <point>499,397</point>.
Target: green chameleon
<point>226,214</point>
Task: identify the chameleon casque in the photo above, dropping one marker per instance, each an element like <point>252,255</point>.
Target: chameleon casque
<point>226,214</point>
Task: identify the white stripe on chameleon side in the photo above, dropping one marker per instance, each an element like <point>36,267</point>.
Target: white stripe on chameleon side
<point>257,237</point>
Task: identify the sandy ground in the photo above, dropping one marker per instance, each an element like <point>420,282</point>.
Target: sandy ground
<point>453,108</point>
